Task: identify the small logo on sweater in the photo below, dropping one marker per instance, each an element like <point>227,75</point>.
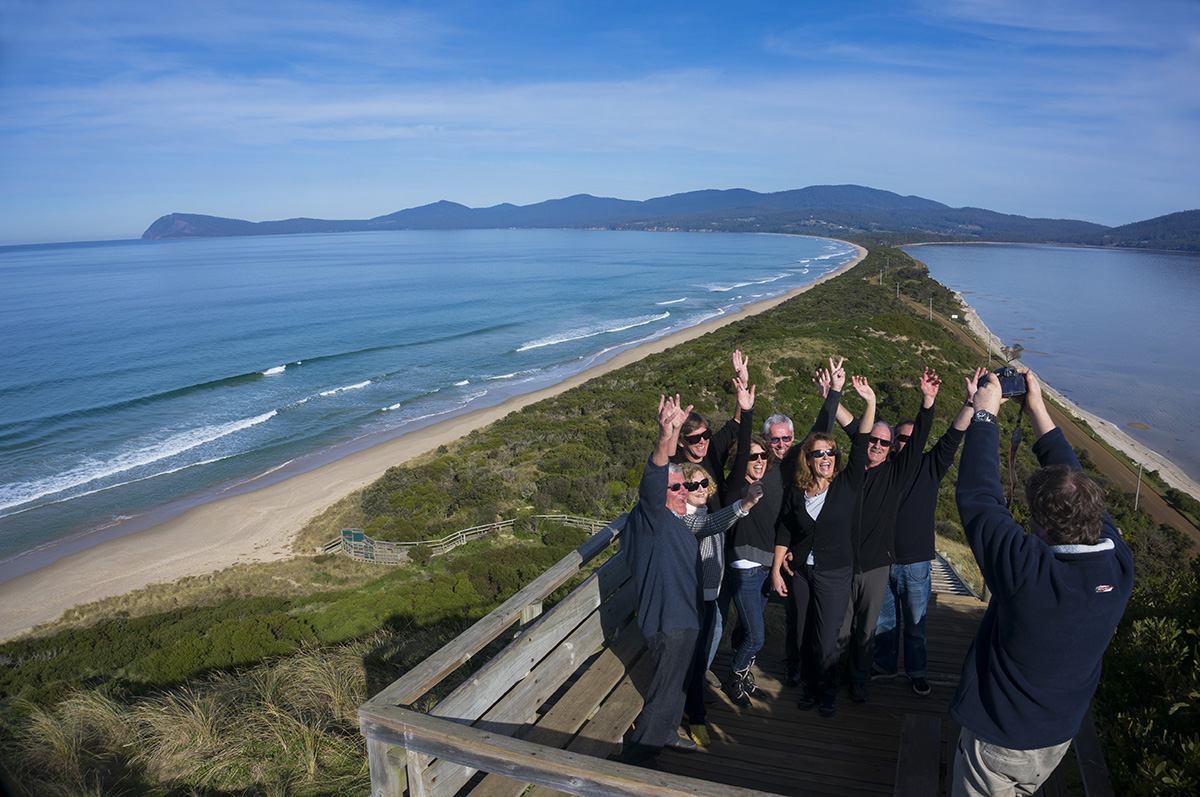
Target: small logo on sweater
<point>1104,588</point>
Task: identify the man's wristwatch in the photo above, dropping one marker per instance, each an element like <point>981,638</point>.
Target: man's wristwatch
<point>983,416</point>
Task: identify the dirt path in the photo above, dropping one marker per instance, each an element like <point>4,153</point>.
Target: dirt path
<point>1106,462</point>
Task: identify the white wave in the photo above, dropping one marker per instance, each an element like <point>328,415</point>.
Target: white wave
<point>672,301</point>
<point>719,288</point>
<point>591,332</point>
<point>86,493</point>
<point>336,390</point>
<point>13,495</point>
<point>464,382</point>
<point>720,311</point>
<point>279,369</point>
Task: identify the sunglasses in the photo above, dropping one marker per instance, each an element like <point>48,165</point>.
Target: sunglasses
<point>756,457</point>
<point>700,485</point>
<point>903,438</point>
<point>817,453</point>
<point>692,439</point>
<point>676,487</point>
<point>879,441</point>
<point>778,440</point>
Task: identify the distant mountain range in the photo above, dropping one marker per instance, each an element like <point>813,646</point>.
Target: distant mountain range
<point>844,211</point>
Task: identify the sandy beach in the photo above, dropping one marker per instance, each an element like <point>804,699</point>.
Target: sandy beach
<point>259,526</point>
<point>1112,434</point>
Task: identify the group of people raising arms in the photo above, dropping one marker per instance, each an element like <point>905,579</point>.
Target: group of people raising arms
<point>753,515</point>
<point>849,548</point>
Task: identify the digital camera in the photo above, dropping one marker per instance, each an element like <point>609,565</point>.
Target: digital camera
<point>1012,382</point>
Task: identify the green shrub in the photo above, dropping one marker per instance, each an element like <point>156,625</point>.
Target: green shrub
<point>1148,702</point>
<point>420,555</point>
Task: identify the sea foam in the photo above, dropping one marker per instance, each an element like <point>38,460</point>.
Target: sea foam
<point>591,332</point>
<point>14,495</point>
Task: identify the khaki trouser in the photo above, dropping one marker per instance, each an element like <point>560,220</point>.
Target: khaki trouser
<point>982,769</point>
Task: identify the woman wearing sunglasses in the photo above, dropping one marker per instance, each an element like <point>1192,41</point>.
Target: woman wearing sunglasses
<point>711,528</point>
<point>814,526</point>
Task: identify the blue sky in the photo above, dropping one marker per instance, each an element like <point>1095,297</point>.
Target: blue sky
<point>113,113</point>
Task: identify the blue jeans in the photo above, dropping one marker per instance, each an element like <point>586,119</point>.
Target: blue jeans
<point>903,614</point>
<point>750,598</point>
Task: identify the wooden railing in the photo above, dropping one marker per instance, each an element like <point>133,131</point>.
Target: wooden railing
<point>434,754</point>
<point>356,544</point>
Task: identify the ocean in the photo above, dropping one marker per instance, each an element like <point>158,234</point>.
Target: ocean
<point>140,374</point>
<point>1114,330</point>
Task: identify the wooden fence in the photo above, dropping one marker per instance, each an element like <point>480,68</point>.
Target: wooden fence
<point>402,744</point>
<point>357,545</point>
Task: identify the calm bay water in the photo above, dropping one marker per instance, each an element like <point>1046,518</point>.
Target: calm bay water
<point>1113,330</point>
<point>136,373</point>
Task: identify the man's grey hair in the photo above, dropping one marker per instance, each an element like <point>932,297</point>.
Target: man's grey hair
<point>886,425</point>
<point>775,419</point>
<point>675,469</point>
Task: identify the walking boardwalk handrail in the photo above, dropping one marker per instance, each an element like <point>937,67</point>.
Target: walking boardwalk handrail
<point>356,544</point>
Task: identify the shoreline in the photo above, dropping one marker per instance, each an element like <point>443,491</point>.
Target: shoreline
<point>1112,434</point>
<point>260,525</point>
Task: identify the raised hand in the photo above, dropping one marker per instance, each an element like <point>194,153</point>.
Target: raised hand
<point>671,414</point>
<point>973,382</point>
<point>837,373</point>
<point>863,388</point>
<point>745,398</point>
<point>928,385</point>
<point>824,382</point>
<point>741,366</point>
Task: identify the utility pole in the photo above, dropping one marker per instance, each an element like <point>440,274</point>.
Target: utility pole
<point>930,308</point>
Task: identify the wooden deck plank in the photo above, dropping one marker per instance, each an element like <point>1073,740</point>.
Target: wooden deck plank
<point>917,770</point>
<point>774,747</point>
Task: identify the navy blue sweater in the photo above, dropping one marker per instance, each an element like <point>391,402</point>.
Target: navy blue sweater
<point>1034,664</point>
<point>664,558</point>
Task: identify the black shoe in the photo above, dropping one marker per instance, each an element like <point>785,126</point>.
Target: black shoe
<point>877,674</point>
<point>736,691</point>
<point>792,678</point>
<point>806,702</point>
<point>828,708</point>
<point>858,691</point>
<point>751,688</point>
<point>921,686</point>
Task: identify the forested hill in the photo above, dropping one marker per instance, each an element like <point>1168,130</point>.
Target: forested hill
<point>1178,231</point>
<point>844,211</point>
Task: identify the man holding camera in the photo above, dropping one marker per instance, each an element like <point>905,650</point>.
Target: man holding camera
<point>1057,596</point>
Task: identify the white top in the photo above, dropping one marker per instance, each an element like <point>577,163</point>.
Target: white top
<point>813,505</point>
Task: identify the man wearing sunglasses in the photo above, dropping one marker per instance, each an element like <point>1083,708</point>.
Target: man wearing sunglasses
<point>874,530</point>
<point>663,556</point>
<point>909,582</point>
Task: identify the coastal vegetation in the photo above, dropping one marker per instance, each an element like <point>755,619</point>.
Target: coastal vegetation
<point>248,682</point>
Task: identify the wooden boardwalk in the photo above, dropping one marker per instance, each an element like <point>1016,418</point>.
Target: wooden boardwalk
<point>551,708</point>
<point>774,747</point>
